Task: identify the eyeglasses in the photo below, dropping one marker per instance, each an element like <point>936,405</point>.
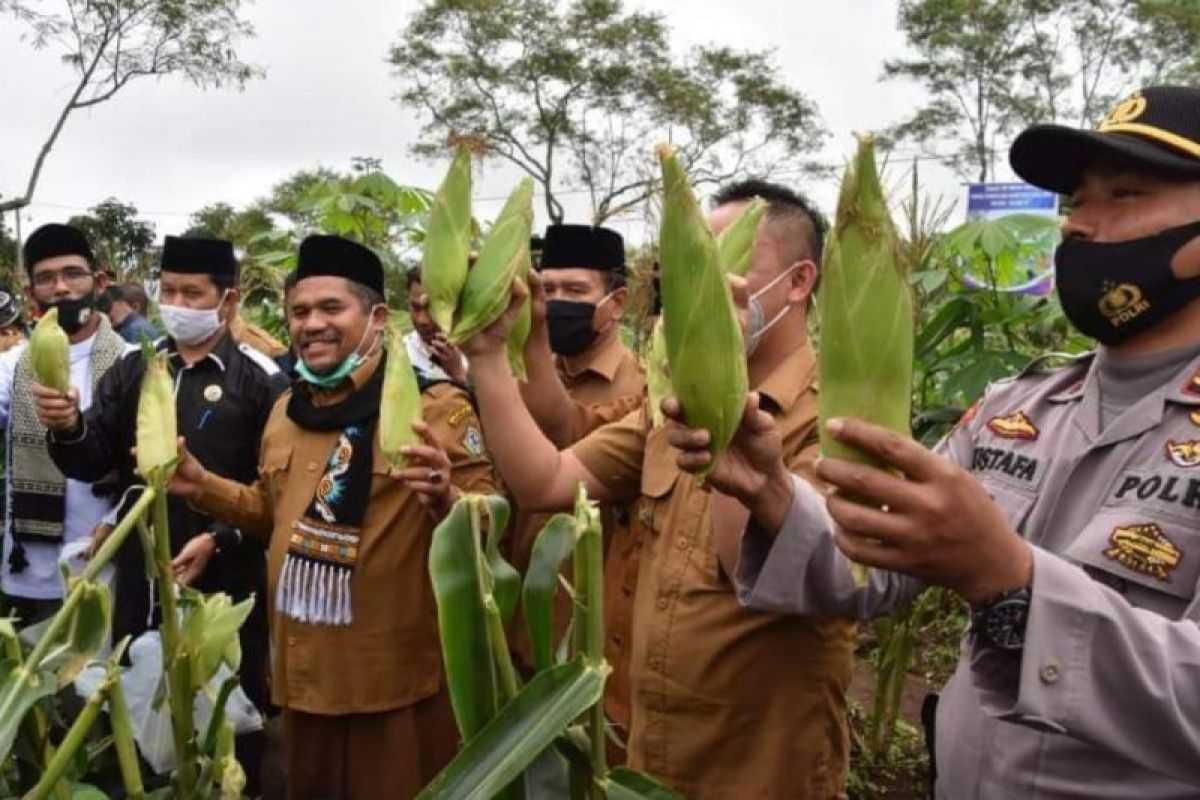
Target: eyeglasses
<point>72,275</point>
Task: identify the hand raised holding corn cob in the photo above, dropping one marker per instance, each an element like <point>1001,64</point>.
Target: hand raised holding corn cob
<point>428,471</point>
<point>58,411</point>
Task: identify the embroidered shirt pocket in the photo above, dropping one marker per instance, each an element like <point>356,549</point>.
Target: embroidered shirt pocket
<point>1016,503</point>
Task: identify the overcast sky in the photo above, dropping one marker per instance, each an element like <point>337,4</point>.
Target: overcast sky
<point>170,148</point>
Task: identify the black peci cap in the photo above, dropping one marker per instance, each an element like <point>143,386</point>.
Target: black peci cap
<point>198,256</point>
<point>339,258</point>
<point>54,239</point>
<point>583,247</point>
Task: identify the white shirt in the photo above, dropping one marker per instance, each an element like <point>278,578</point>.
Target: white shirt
<point>422,358</point>
<point>41,579</point>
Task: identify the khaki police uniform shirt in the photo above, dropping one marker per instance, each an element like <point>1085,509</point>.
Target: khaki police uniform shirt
<point>1104,699</point>
<point>389,657</point>
<point>727,702</point>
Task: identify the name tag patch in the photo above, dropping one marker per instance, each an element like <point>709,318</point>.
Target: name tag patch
<point>994,459</point>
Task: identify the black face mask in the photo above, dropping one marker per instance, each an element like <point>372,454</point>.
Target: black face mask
<point>1112,291</point>
<point>72,314</point>
<point>570,324</point>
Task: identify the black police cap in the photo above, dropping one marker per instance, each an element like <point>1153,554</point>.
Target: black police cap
<point>1156,129</point>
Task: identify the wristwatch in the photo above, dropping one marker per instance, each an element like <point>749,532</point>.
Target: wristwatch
<point>1000,623</point>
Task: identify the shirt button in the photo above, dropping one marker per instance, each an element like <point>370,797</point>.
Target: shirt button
<point>627,590</point>
<point>1049,673</point>
<point>616,637</point>
<point>681,543</point>
<point>663,603</point>
<point>291,641</point>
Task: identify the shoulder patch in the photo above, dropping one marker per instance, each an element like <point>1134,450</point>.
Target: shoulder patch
<point>460,415</point>
<point>264,362</point>
<point>472,441</point>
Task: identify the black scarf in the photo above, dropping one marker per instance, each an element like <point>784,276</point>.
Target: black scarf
<point>314,584</point>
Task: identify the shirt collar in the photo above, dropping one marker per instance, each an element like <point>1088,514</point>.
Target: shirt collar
<point>790,378</point>
<point>221,354</point>
<point>604,362</point>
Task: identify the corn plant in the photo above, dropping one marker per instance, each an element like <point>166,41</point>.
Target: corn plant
<point>545,738</point>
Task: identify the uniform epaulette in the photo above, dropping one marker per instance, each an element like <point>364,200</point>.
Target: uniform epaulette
<point>1049,363</point>
<point>262,361</point>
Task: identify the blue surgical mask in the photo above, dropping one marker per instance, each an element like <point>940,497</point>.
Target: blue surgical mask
<point>339,373</point>
<point>757,326</point>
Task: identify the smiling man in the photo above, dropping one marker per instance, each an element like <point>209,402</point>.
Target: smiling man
<point>1061,508</point>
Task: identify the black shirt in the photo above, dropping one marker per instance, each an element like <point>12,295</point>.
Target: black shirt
<point>221,403</point>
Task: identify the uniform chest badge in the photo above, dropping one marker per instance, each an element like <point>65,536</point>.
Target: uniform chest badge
<point>1014,426</point>
<point>460,414</point>
<point>213,393</point>
<point>1195,418</point>
<point>1184,454</point>
<point>1144,549</point>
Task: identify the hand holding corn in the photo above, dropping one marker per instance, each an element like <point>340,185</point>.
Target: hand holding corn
<point>493,339</point>
<point>428,471</point>
<point>58,411</point>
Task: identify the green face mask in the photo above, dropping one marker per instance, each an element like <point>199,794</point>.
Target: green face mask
<point>338,373</point>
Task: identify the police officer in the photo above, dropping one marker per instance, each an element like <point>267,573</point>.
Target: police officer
<point>1064,508</point>
<point>224,394</point>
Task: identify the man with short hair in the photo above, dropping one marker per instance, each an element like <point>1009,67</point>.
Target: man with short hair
<point>125,305</point>
<point>45,509</point>
<point>224,392</point>
<point>1064,507</point>
<point>726,703</point>
<point>357,665</point>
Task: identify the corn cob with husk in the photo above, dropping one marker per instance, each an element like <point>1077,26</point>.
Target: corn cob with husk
<point>705,350</point>
<point>399,403</point>
<point>735,245</point>
<point>735,252</point>
<point>503,257</point>
<point>866,353</point>
<point>520,329</point>
<point>157,449</point>
<point>448,241</point>
<point>49,354</point>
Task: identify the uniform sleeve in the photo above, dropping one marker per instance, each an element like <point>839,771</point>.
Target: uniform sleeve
<point>237,505</point>
<point>93,452</point>
<point>1124,679</point>
<point>613,454</point>
<point>455,426</point>
<point>801,571</point>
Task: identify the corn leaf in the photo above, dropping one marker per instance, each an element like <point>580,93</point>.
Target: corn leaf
<point>448,241</point>
<point>466,648</point>
<point>20,689</point>
<point>627,784</point>
<point>500,578</point>
<point>522,730</point>
<point>705,350</point>
<point>210,633</point>
<point>85,632</point>
<point>553,546</point>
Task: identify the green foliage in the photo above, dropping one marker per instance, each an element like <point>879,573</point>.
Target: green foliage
<point>991,67</point>
<point>121,241</point>
<point>571,91</point>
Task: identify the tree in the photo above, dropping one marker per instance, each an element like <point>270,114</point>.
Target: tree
<point>993,66</point>
<point>110,43</point>
<point>119,239</point>
<point>223,221</point>
<point>574,91</point>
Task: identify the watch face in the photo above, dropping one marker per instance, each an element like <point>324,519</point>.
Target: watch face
<point>1004,624</point>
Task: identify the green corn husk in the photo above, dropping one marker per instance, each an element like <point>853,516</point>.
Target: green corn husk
<point>503,256</point>
<point>49,353</point>
<point>157,449</point>
<point>400,403</point>
<point>735,245</point>
<point>705,350</point>
<point>520,332</point>
<point>448,241</point>
<point>866,312</point>
<point>658,374</point>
